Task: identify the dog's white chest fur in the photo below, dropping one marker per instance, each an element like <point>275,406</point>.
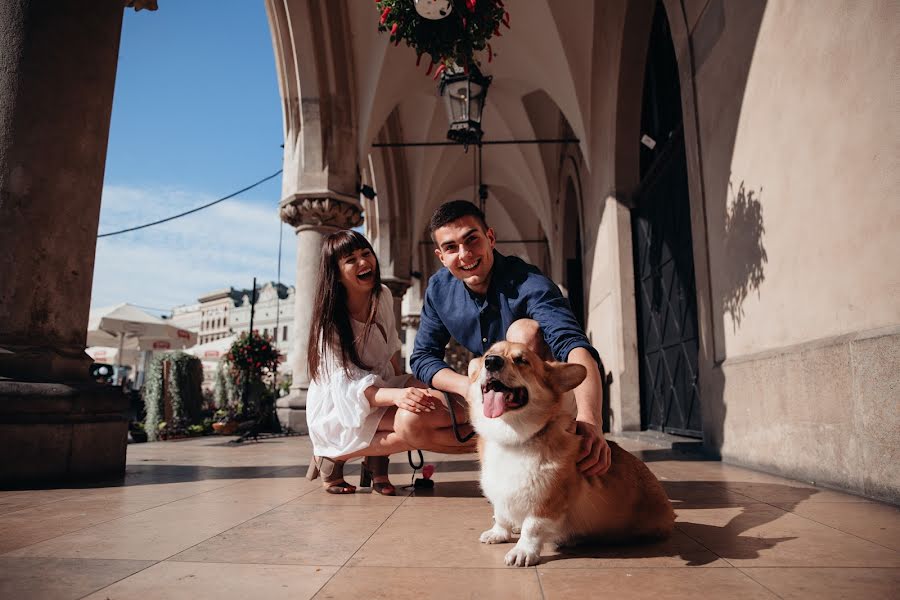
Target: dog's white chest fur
<point>512,479</point>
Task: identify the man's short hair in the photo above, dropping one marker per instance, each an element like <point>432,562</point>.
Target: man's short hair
<point>453,210</point>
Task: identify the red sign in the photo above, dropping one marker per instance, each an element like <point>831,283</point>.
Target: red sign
<point>184,334</point>
<point>161,345</point>
<point>211,354</point>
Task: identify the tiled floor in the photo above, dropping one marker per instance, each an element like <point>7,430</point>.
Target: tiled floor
<point>207,519</point>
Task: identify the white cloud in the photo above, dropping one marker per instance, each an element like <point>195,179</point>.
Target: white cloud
<point>176,262</point>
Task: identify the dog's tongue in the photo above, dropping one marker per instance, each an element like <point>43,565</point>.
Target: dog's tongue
<point>494,403</point>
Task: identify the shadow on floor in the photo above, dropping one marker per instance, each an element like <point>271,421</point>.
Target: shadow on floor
<point>702,543</point>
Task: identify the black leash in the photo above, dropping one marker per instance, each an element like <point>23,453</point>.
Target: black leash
<point>459,438</point>
<point>429,483</point>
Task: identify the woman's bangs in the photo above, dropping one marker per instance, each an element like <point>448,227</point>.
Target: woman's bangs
<point>345,243</point>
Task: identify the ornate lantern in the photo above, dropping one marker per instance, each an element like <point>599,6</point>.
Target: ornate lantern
<point>464,95</point>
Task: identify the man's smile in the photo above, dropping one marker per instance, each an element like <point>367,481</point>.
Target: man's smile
<point>471,266</point>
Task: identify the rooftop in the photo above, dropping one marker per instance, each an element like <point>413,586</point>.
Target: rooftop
<point>203,518</point>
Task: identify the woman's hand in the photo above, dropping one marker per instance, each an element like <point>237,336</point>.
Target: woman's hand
<point>414,400</point>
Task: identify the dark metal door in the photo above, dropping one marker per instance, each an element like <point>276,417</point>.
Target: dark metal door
<point>666,297</point>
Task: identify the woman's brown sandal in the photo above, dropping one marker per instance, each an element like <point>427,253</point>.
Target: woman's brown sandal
<point>332,472</point>
<point>377,467</point>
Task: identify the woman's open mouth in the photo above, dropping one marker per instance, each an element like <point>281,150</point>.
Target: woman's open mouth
<point>470,267</point>
<point>365,275</point>
<point>498,398</point>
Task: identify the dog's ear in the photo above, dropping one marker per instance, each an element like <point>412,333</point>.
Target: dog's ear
<point>474,367</point>
<point>562,377</point>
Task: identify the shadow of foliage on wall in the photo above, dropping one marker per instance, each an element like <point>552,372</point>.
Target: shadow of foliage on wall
<point>745,255</point>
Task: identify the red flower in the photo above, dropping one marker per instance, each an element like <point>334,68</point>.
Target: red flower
<point>384,15</point>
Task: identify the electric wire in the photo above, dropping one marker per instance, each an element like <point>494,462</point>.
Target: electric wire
<point>193,210</point>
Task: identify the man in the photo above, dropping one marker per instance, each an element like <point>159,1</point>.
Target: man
<point>481,297</point>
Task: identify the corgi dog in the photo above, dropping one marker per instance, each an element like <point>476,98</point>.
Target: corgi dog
<point>523,409</point>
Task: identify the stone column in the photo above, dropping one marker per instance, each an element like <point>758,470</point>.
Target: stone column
<point>410,323</point>
<point>57,73</point>
<point>314,217</point>
<point>398,288</point>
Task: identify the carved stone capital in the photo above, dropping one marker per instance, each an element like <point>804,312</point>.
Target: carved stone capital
<point>320,211</point>
<point>397,286</point>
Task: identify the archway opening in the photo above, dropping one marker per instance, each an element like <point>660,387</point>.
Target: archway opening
<point>665,290</point>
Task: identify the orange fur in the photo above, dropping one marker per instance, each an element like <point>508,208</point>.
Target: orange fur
<point>529,472</point>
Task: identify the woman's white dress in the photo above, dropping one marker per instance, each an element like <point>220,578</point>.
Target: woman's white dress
<point>339,416</point>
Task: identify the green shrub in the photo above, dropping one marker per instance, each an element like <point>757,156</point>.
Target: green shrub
<point>185,377</point>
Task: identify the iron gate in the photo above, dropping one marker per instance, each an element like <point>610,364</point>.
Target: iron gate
<point>666,297</point>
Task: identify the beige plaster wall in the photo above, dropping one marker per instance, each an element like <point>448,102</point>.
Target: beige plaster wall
<point>796,109</point>
<point>803,231</point>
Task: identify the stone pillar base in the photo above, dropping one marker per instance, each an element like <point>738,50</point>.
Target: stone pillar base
<point>54,431</point>
<point>291,411</point>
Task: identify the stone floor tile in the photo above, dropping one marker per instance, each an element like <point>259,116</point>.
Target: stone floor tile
<point>218,507</point>
<point>788,493</point>
<point>458,486</point>
<point>46,521</point>
<point>189,581</point>
<point>677,551</point>
<point>671,584</point>
<point>362,497</point>
<point>61,578</point>
<point>270,491</point>
<point>825,584</point>
<point>426,535</point>
<point>760,535</point>
<point>153,534</point>
<point>293,534</point>
<point>435,583</point>
<point>873,521</point>
<point>693,494</point>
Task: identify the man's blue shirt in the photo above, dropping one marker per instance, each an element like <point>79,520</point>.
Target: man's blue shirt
<point>517,290</point>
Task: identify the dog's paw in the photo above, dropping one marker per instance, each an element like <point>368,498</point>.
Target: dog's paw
<point>494,536</point>
<point>522,557</point>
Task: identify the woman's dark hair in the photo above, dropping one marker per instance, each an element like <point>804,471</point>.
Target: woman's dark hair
<point>331,318</point>
<point>453,210</point>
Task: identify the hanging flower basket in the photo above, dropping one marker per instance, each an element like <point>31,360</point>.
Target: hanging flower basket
<point>251,363</point>
<point>448,41</point>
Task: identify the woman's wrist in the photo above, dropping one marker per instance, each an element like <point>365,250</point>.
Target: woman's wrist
<point>378,397</point>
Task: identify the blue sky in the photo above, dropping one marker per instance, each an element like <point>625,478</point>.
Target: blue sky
<point>196,116</point>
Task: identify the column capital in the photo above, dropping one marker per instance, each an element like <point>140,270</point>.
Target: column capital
<point>321,210</point>
<point>397,286</point>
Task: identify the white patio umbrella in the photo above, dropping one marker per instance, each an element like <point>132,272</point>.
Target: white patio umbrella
<point>126,326</point>
<point>210,354</point>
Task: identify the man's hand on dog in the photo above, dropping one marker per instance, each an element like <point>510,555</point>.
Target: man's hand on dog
<point>594,458</point>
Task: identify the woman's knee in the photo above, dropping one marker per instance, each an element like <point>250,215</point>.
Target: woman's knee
<point>412,428</point>
<point>528,332</point>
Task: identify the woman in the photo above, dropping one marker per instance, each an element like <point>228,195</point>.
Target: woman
<point>359,403</point>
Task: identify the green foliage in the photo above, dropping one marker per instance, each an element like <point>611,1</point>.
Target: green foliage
<point>226,395</point>
<point>451,40</point>
<point>185,377</point>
